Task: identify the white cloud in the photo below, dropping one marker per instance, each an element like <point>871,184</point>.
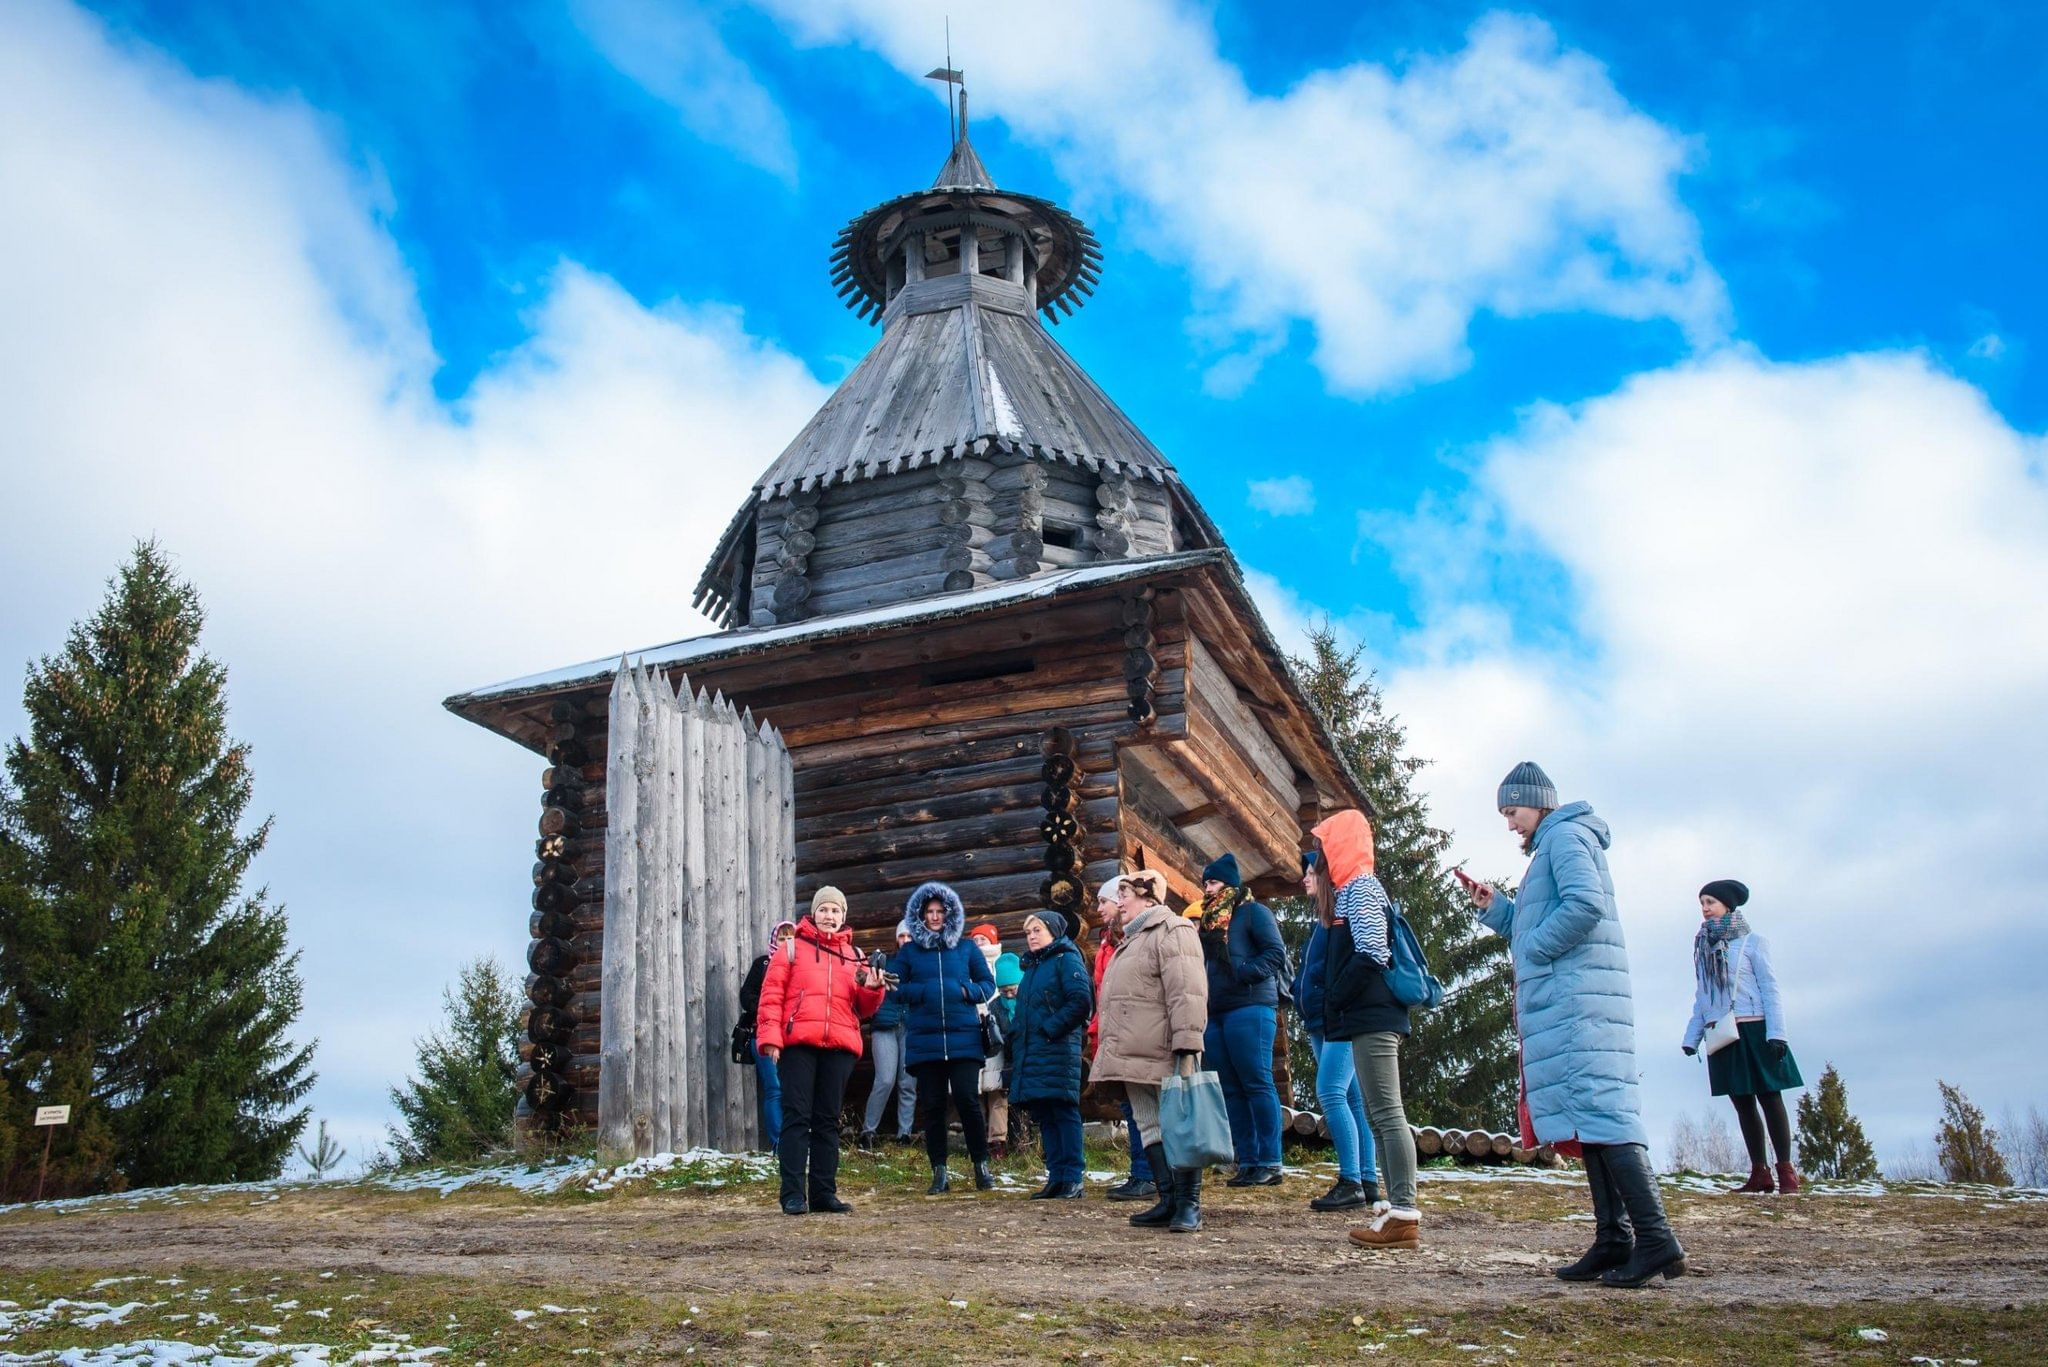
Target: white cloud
<point>1386,206</point>
<point>1989,347</point>
<point>676,54</point>
<point>1287,496</point>
<point>206,335</point>
<point>1810,654</point>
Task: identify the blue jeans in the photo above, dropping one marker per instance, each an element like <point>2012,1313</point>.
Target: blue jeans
<point>1344,1109</point>
<point>1059,1130</point>
<point>1141,1166</point>
<point>1239,1045</point>
<point>768,1099</point>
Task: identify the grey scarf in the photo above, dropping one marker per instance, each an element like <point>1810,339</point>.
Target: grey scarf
<point>1710,949</point>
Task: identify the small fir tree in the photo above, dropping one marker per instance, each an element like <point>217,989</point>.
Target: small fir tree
<point>1968,1148</point>
<point>323,1155</point>
<point>460,1104</point>
<point>1831,1139</point>
<point>138,983</point>
<point>1458,1066</point>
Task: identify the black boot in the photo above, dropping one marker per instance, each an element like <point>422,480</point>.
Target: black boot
<point>942,1182</point>
<point>1046,1192</point>
<point>1657,1251</point>
<point>1187,1209</point>
<point>1134,1188</point>
<point>1066,1191</point>
<point>984,1175</point>
<point>1613,1240</point>
<point>1157,1215</point>
<point>1344,1196</point>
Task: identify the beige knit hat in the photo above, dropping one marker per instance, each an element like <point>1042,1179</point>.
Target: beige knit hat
<point>828,894</point>
<point>1149,881</point>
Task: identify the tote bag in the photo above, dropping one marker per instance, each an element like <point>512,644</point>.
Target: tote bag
<point>1194,1128</point>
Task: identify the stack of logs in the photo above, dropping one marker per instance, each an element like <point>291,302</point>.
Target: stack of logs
<point>1018,552</point>
<point>1471,1146</point>
<point>557,1052</point>
<point>793,559</point>
<point>1141,666</point>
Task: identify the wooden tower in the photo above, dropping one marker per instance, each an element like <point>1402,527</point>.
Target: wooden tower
<point>1003,642</point>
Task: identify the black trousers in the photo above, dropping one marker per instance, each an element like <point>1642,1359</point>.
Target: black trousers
<point>813,1090</point>
<point>962,1076</point>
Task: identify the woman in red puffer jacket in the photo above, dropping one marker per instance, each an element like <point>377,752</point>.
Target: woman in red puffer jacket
<point>817,992</point>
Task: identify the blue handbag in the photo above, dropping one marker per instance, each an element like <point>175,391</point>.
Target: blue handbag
<point>1194,1127</point>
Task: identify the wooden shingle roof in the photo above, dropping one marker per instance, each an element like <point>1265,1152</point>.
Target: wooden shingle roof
<point>974,373</point>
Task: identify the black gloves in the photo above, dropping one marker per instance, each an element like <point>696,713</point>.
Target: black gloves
<point>1689,1050</point>
<point>1779,1049</point>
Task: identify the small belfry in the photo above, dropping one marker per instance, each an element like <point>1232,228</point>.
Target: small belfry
<point>1003,644</point>
<point>968,447</point>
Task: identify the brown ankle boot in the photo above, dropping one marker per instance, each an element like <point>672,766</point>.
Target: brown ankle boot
<point>1759,1180</point>
<point>1788,1180</point>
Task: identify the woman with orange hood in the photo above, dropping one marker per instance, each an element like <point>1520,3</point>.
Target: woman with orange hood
<point>1360,1006</point>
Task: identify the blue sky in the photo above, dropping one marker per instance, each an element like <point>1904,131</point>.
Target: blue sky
<point>1651,392</point>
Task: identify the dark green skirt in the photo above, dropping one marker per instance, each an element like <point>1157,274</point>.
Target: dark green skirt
<point>1748,1067</point>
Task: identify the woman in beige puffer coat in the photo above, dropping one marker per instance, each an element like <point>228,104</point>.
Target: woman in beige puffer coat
<point>1154,1008</point>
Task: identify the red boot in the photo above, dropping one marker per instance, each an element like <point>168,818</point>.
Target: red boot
<point>1759,1180</point>
<point>1788,1180</point>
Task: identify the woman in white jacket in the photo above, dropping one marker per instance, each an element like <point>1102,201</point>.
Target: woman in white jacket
<point>1734,977</point>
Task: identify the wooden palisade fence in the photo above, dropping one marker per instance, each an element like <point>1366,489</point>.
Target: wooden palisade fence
<point>700,845</point>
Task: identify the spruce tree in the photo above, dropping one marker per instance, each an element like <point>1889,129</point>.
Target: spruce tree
<point>1967,1147</point>
<point>460,1104</point>
<point>1458,1067</point>
<point>138,983</point>
<point>1831,1139</point>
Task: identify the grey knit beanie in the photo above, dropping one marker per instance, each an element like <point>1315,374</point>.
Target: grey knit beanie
<point>1527,786</point>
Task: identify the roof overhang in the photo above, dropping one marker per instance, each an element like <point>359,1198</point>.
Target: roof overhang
<point>518,708</point>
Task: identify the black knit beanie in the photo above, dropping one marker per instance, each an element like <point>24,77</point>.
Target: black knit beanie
<point>1727,892</point>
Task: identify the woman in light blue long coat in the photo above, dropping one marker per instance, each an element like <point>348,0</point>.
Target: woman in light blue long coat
<point>1576,1016</point>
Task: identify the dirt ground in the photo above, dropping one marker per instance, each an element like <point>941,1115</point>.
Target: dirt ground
<point>1486,1243</point>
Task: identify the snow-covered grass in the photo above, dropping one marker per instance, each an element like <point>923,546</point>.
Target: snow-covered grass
<point>710,1169</point>
<point>698,1168</point>
<point>63,1317</point>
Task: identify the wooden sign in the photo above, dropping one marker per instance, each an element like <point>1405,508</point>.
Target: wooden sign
<point>53,1115</point>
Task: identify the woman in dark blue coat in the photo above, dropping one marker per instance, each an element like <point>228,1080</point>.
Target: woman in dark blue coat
<point>943,981</point>
<point>1053,1005</point>
<point>1247,962</point>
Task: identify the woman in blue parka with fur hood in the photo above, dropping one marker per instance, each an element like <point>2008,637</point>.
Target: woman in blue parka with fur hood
<point>1054,1003</point>
<point>943,981</point>
<point>1576,1016</point>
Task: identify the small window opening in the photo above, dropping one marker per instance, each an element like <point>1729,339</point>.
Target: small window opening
<point>1067,538</point>
<point>988,669</point>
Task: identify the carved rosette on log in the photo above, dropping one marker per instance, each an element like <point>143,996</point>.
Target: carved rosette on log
<point>1061,829</point>
<point>559,890</point>
<point>1141,664</point>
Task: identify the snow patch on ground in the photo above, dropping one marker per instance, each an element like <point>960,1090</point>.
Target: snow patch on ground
<point>531,1178</point>
<point>709,1169</point>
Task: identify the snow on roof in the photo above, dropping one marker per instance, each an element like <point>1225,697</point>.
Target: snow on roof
<point>698,648</point>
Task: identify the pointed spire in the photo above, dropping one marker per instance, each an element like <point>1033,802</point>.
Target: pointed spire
<point>963,169</point>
